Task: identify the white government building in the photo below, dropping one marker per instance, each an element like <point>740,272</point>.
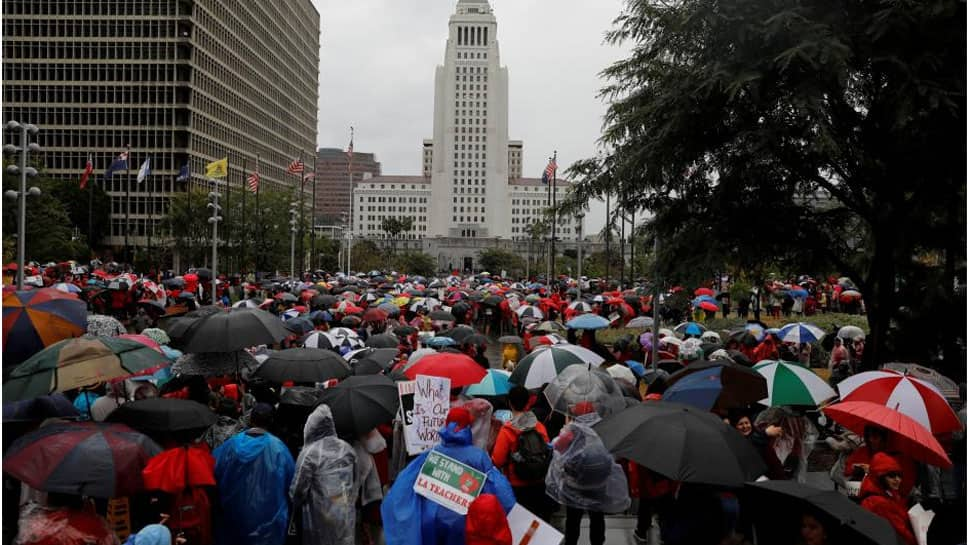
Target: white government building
<point>471,185</point>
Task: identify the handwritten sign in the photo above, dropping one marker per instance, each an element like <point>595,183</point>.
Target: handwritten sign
<point>430,409</point>
<point>448,482</point>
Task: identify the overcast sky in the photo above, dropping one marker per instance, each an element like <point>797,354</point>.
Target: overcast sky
<point>377,62</point>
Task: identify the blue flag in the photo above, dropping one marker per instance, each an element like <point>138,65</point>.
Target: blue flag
<point>121,163</point>
<point>183,174</point>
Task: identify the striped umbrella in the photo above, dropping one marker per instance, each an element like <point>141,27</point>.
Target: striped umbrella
<point>81,458</point>
<point>495,383</point>
<point>544,364</point>
<point>791,384</point>
<point>529,311</point>
<point>84,361</point>
<point>801,332</point>
<point>335,339</point>
<point>580,306</point>
<point>36,319</point>
<point>911,396</point>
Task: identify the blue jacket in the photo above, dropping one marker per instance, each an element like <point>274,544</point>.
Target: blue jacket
<point>410,519</point>
<point>253,473</point>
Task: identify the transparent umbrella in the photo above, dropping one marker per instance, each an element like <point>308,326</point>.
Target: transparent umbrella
<point>579,384</point>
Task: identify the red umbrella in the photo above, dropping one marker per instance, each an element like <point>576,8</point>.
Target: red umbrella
<point>460,368</point>
<point>847,296</point>
<point>707,305</point>
<point>915,398</point>
<point>375,314</point>
<point>912,438</point>
<point>703,291</point>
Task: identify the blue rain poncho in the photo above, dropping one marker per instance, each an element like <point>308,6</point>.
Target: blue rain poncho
<point>325,486</point>
<point>253,473</point>
<point>410,519</point>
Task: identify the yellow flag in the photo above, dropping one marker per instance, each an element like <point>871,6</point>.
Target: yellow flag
<point>217,169</point>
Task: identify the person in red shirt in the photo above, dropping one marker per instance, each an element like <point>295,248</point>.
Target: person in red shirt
<point>882,495</point>
<point>530,493</point>
<point>877,440</point>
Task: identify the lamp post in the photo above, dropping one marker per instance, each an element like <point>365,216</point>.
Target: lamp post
<point>21,195</point>
<point>294,211</point>
<point>214,220</point>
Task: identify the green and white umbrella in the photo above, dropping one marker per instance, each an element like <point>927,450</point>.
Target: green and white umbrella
<point>791,384</point>
<point>544,364</point>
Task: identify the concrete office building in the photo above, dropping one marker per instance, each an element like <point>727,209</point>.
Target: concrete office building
<point>471,179</point>
<point>178,81</point>
<point>334,171</point>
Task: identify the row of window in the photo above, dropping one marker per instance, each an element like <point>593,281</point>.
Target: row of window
<point>475,35</point>
<point>412,200</point>
<point>53,51</point>
<point>147,73</point>
<point>79,28</point>
<point>143,116</point>
<point>98,7</point>
<point>113,95</point>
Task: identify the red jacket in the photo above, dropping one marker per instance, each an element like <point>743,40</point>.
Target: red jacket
<point>862,455</point>
<point>505,445</point>
<point>888,505</point>
<point>486,523</point>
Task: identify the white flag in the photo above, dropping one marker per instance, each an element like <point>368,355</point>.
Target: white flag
<point>144,171</point>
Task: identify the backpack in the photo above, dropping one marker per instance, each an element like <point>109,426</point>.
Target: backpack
<point>191,515</point>
<point>531,456</point>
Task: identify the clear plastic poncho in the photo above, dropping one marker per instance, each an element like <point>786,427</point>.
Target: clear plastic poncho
<point>325,484</point>
<point>583,474</point>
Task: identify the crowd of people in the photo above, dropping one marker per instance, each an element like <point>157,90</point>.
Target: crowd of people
<point>274,468</point>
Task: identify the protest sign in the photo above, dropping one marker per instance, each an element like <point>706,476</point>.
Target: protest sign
<point>528,529</point>
<point>448,482</point>
<point>430,409</point>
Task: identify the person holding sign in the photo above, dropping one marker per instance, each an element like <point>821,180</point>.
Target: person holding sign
<point>427,503</point>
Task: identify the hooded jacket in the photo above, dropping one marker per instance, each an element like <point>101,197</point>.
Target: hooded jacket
<point>883,502</point>
<point>325,484</point>
<point>486,523</point>
<point>583,473</point>
<point>253,472</point>
<point>508,441</point>
<point>410,519</point>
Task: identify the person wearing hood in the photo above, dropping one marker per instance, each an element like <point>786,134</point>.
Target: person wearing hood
<point>253,471</point>
<point>411,519</point>
<point>486,523</point>
<point>325,484</point>
<point>371,488</point>
<point>584,477</point>
<point>531,493</point>
<point>881,495</point>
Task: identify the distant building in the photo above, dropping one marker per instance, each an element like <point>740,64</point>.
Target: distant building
<point>471,184</point>
<point>334,171</point>
<point>178,81</point>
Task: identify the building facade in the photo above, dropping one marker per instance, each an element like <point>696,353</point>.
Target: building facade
<point>471,184</point>
<point>334,172</point>
<point>174,81</point>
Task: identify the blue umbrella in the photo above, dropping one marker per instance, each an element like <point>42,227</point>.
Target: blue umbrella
<point>800,332</point>
<point>716,385</point>
<point>588,321</point>
<point>798,293</point>
<point>703,298</point>
<point>495,383</point>
<point>690,328</point>
<point>439,342</point>
<point>320,316</point>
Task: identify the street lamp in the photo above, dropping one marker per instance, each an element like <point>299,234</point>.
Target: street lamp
<point>294,210</point>
<point>214,220</point>
<point>21,196</point>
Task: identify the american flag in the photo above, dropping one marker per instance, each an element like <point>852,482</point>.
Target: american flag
<point>308,176</point>
<point>253,181</point>
<point>296,167</point>
<point>350,151</point>
<point>550,171</point>
<point>88,169</point>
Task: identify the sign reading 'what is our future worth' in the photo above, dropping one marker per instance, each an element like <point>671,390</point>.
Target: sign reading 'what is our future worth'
<point>448,482</point>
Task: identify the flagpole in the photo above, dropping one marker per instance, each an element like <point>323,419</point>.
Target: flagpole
<point>127,201</point>
<point>242,222</point>
<point>313,216</point>
<point>350,210</point>
<point>302,218</point>
<point>90,212</point>
<point>229,224</point>
<point>259,221</point>
<point>151,220</point>
<point>555,216</point>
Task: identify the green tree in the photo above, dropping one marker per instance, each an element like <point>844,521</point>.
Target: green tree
<point>367,256</point>
<point>799,133</point>
<point>496,260</point>
<point>415,262</point>
<point>50,233</point>
<point>394,227</point>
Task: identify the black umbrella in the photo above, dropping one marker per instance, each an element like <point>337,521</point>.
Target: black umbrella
<point>359,404</point>
<point>367,366</point>
<point>459,334</point>
<point>744,337</point>
<point>493,300</point>
<point>203,311</point>
<point>177,327</point>
<point>699,447</point>
<point>510,339</point>
<point>405,330</point>
<point>287,297</point>
<point>234,330</point>
<point>382,356</point>
<point>163,415</point>
<point>299,325</point>
<point>777,508</point>
<point>740,386</point>
<point>303,365</point>
<point>303,397</point>
<point>350,321</point>
<point>323,301</point>
<point>381,341</point>
<point>203,274</point>
<point>441,315</point>
<point>459,310</point>
<point>670,366</point>
<point>476,339</point>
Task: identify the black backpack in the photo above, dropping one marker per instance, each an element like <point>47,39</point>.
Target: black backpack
<point>531,456</point>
